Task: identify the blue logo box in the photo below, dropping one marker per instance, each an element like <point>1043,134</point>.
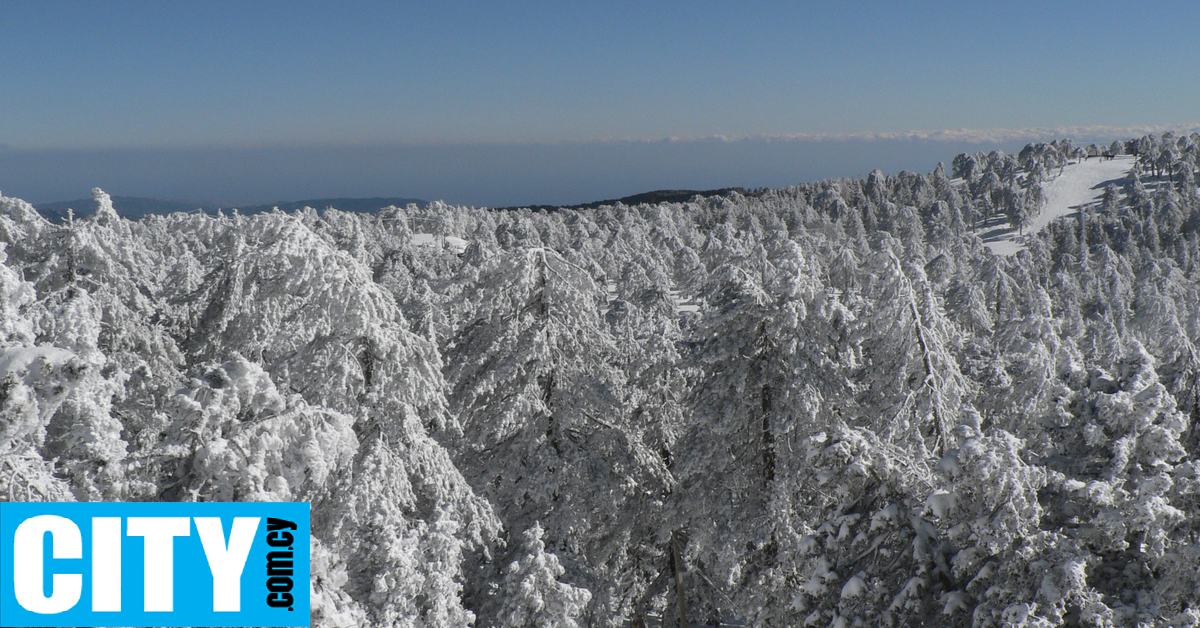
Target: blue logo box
<point>154,564</point>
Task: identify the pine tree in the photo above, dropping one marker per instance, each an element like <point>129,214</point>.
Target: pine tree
<point>325,334</point>
<point>546,435</point>
<point>533,596</point>
<point>34,382</point>
<point>772,351</point>
<point>909,378</point>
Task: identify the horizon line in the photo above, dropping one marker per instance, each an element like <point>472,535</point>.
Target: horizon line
<point>960,135</point>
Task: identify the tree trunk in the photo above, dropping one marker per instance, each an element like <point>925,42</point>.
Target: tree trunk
<point>943,440</point>
<point>548,379</point>
<point>768,437</point>
<point>677,558</point>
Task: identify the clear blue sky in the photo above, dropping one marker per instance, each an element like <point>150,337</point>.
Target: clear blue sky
<point>152,75</point>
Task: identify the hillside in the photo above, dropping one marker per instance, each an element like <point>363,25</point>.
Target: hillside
<point>1077,185</point>
<point>645,198</point>
<point>832,404</point>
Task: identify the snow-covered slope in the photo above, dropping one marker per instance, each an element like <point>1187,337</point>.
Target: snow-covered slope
<point>1078,185</point>
<point>458,245</point>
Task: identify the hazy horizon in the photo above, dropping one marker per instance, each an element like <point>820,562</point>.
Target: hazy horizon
<point>494,175</point>
<point>500,173</point>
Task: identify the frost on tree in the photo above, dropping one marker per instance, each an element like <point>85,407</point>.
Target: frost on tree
<point>1129,489</point>
<point>545,434</point>
<point>334,340</point>
<point>236,438</point>
<point>909,378</point>
<point>80,290</point>
<point>737,464</point>
<point>862,549</point>
<point>532,594</point>
<point>34,381</point>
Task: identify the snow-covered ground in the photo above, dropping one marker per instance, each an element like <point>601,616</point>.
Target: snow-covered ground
<point>458,245</point>
<point>682,303</point>
<point>1079,184</point>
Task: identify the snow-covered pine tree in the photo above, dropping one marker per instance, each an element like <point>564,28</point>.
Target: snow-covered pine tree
<point>772,353</point>
<point>532,595</point>
<point>909,380</point>
<point>546,436</point>
<point>34,381</point>
<point>1122,485</point>
<point>401,516</point>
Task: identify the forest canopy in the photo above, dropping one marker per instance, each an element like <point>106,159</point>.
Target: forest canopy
<point>823,405</point>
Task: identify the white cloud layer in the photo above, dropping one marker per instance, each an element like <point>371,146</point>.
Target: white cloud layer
<point>971,136</point>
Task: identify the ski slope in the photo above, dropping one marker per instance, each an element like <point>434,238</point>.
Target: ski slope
<point>1079,184</point>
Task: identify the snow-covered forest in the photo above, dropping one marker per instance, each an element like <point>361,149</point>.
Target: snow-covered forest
<point>826,405</point>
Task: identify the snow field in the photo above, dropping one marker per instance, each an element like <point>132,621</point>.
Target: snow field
<point>1079,184</point>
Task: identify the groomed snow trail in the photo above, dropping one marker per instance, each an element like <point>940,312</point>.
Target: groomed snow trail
<point>1079,184</point>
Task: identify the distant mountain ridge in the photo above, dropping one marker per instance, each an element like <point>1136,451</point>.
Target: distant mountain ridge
<point>134,207</point>
<point>650,198</point>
